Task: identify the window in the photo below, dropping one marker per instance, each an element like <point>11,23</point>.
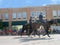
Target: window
<point>59,13</point>
<point>54,13</point>
<point>24,15</point>
<point>32,14</point>
<point>14,16</point>
<point>43,13</point>
<point>19,15</point>
<point>37,13</point>
<point>6,16</point>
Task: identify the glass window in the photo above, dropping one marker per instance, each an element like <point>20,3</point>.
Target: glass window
<point>37,13</point>
<point>32,14</point>
<point>58,12</point>
<point>14,16</point>
<point>6,16</point>
<point>19,15</point>
<point>24,15</point>
<point>54,13</point>
<point>43,13</point>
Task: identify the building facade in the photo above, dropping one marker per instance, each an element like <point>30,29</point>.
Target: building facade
<point>20,16</point>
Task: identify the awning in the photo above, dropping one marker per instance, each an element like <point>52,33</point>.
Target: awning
<point>1,24</point>
<point>5,24</point>
<point>18,22</point>
<point>58,20</point>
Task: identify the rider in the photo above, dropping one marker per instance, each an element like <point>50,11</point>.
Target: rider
<point>41,18</point>
<point>45,23</point>
<point>30,22</point>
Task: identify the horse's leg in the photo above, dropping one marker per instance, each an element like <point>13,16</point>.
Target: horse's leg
<point>29,32</point>
<point>38,33</point>
<point>22,31</point>
<point>48,34</point>
<point>34,33</point>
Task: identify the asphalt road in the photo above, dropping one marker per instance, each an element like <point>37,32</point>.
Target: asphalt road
<point>25,40</point>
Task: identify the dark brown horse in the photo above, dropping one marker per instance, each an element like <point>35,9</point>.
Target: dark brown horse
<point>30,30</point>
<point>35,26</point>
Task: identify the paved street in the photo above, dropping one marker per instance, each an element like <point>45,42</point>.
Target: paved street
<point>25,40</point>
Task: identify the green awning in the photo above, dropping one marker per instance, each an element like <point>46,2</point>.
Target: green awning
<point>1,24</point>
<point>5,24</point>
<point>19,22</point>
<point>58,20</point>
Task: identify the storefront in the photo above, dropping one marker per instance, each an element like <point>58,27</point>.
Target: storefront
<point>18,24</point>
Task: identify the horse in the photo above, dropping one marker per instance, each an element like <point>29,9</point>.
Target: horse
<point>29,30</point>
<point>35,27</point>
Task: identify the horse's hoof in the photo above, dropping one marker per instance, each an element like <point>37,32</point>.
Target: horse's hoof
<point>49,36</point>
<point>31,37</point>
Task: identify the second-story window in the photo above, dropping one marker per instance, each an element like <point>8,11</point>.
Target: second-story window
<point>59,13</point>
<point>19,15</point>
<point>54,13</point>
<point>32,14</point>
<point>6,16</point>
<point>24,15</point>
<point>37,13</point>
<point>44,14</point>
<point>14,16</point>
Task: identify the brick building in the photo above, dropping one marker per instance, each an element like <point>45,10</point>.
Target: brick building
<point>20,16</point>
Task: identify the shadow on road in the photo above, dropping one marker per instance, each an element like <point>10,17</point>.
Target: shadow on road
<point>34,39</point>
<point>27,39</point>
<point>20,37</point>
